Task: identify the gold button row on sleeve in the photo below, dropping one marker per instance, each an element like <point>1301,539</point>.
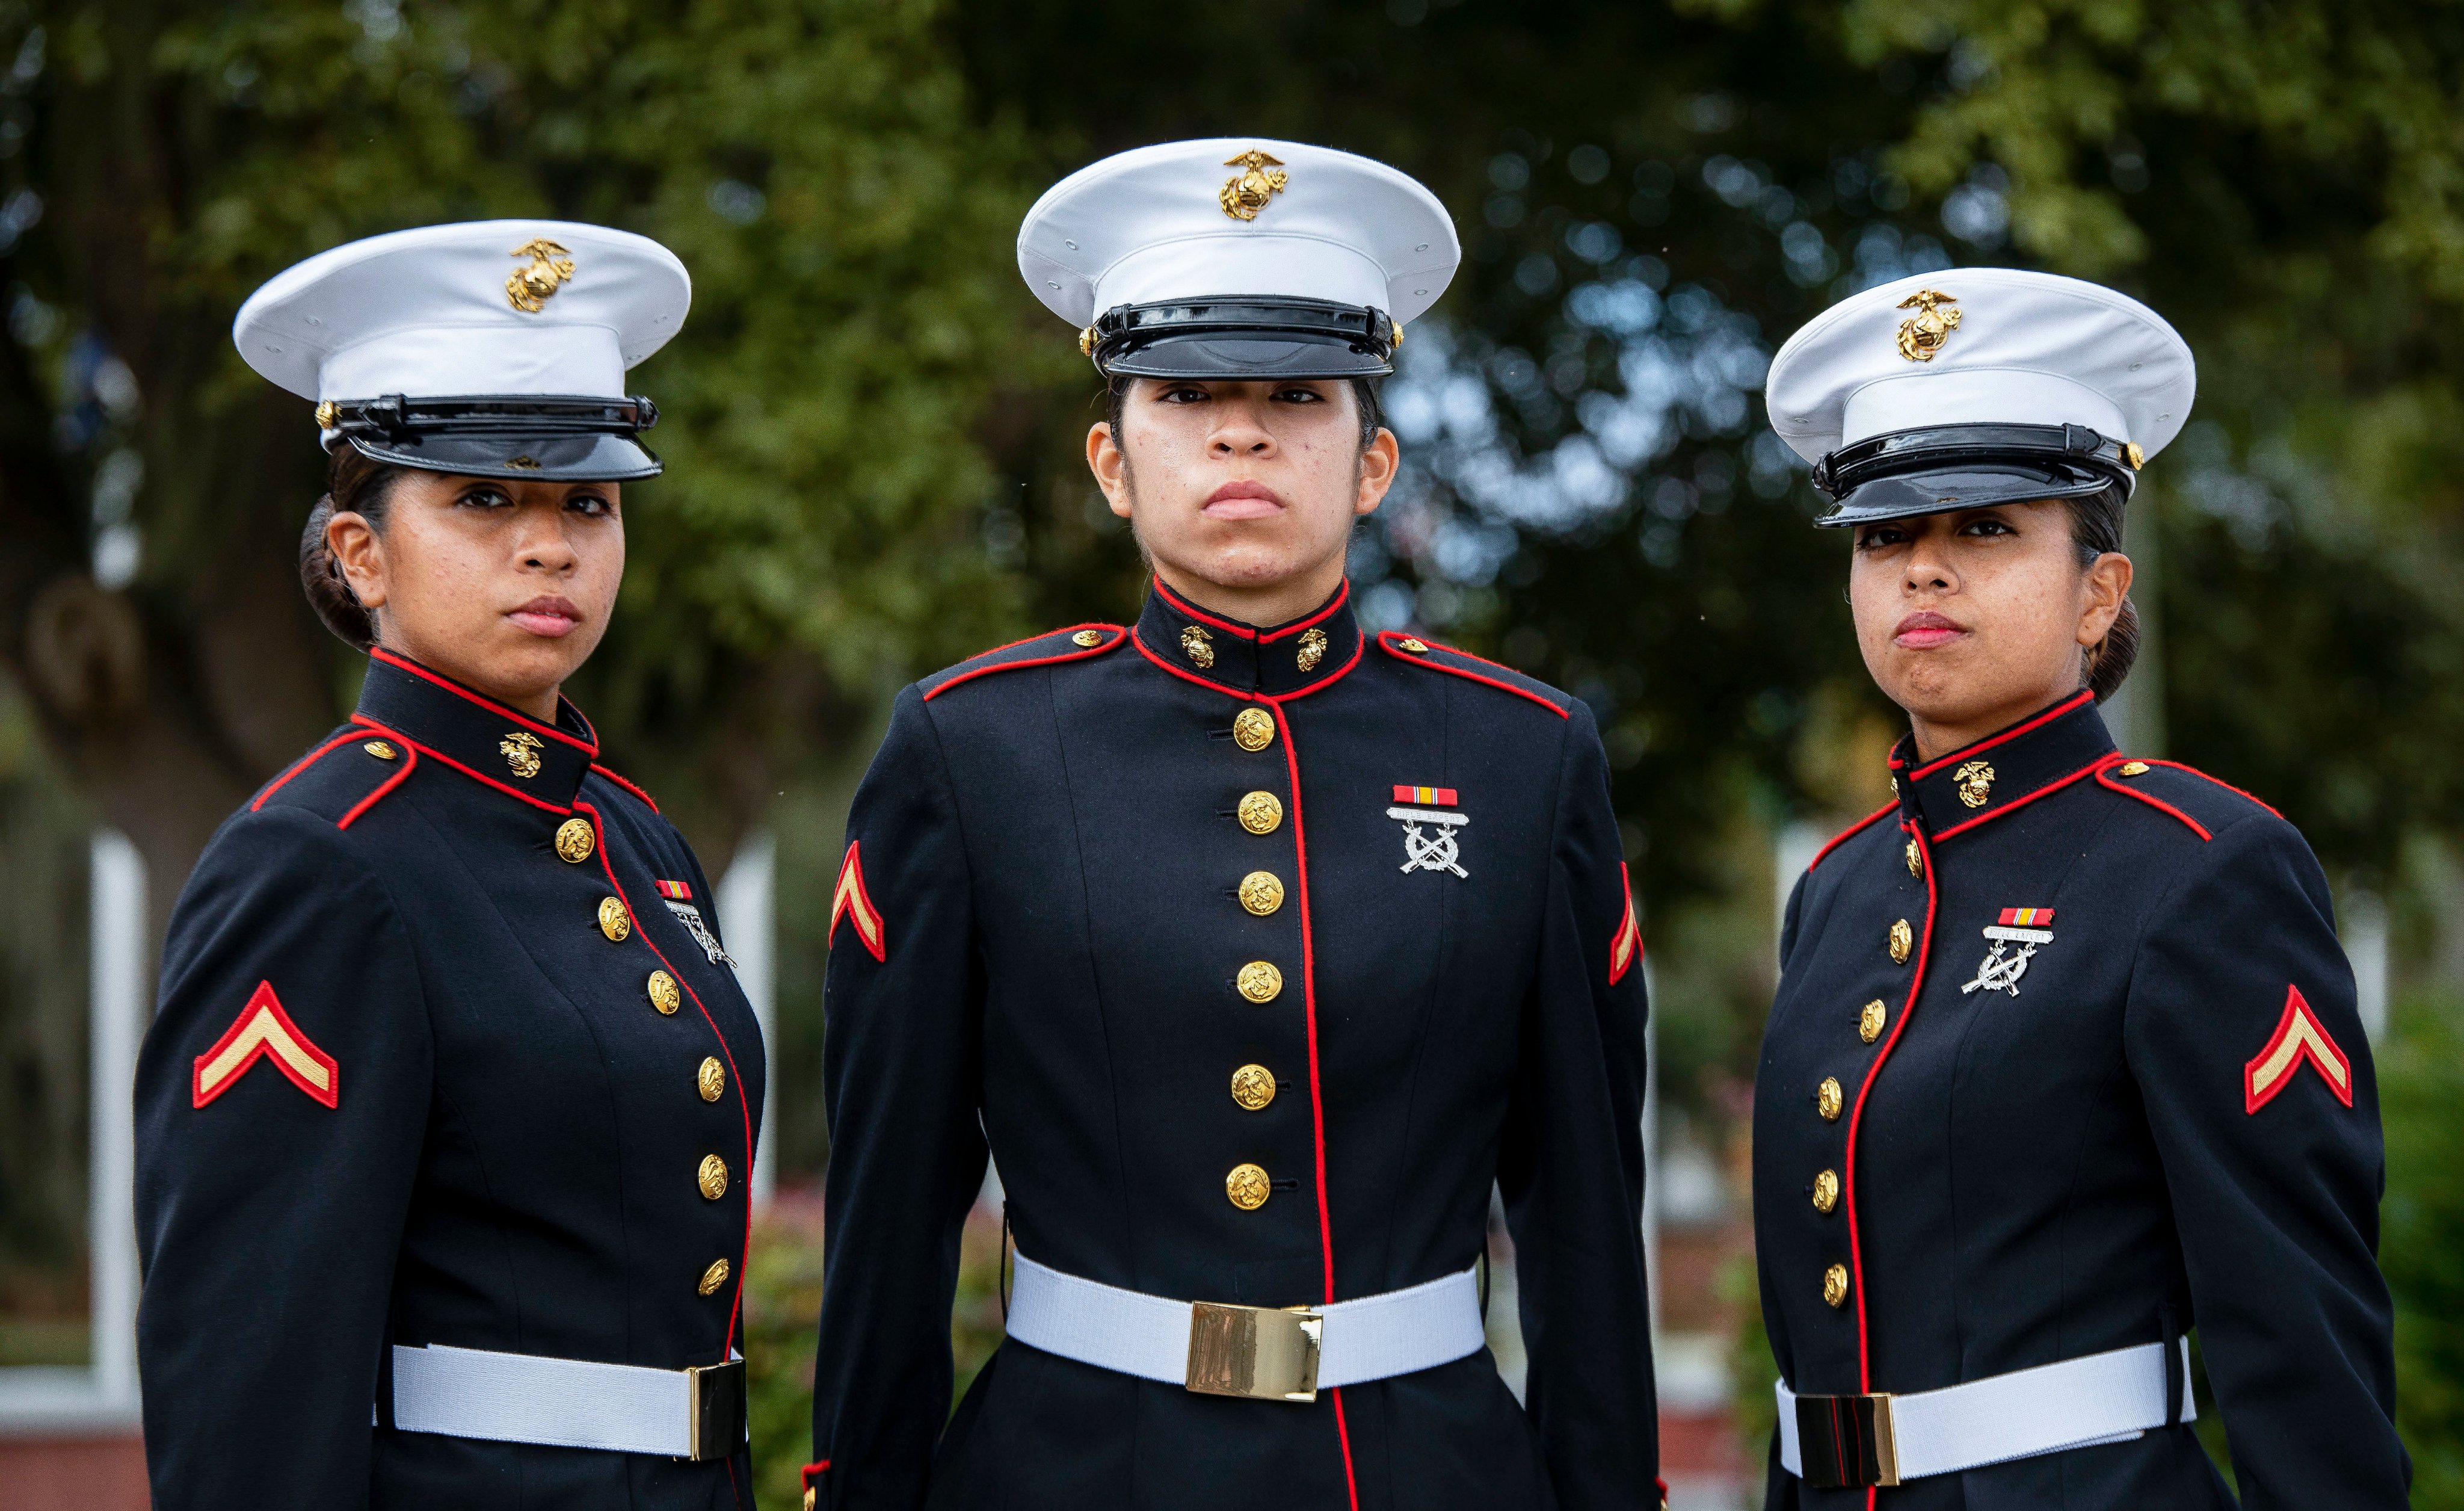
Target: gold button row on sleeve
<point>713,1178</point>
<point>1248,1186</point>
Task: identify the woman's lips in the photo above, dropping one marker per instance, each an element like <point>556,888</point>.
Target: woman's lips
<point>548,617</point>
<point>1925,630</point>
<point>1242,499</point>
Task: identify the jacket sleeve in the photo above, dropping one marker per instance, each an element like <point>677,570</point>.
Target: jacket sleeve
<point>901,1067</point>
<point>2248,1049</point>
<point>282,1098</point>
<point>1570,1169</point>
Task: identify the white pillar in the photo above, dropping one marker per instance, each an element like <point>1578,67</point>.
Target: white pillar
<point>118,1016</point>
<point>2365,946</point>
<point>747,910</point>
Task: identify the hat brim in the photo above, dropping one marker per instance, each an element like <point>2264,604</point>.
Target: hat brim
<point>1250,355</point>
<point>515,456</point>
<point>1967,485</point>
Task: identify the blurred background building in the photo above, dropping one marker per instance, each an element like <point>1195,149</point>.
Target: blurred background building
<point>873,440</point>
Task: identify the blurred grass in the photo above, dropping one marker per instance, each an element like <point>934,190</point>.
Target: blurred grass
<point>782,1303</point>
<point>2421,1092</point>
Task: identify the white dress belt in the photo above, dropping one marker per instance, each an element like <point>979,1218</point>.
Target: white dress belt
<point>2109,1397</point>
<point>570,1403</point>
<point>1261,1352</point>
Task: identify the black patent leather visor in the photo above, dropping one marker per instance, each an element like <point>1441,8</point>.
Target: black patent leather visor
<point>549,437</point>
<point>1244,337</point>
<point>1936,469</point>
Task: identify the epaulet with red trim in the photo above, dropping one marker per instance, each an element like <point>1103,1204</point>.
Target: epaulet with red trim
<point>627,785</point>
<point>1421,652</point>
<point>1850,833</point>
<point>2200,801</point>
<point>1078,643</point>
<point>348,773</point>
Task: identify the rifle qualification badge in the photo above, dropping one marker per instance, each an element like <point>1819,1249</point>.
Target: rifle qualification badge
<point>2001,970</point>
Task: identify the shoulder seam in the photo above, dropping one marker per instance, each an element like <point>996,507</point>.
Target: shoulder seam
<point>1389,641</point>
<point>628,786</point>
<point>407,756</point>
<point>968,670</point>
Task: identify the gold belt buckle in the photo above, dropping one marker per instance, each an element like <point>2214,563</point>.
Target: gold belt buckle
<point>714,1410</point>
<point>1261,1352</point>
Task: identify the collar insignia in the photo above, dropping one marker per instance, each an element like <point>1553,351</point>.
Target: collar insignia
<point>1196,645</point>
<point>1922,333</point>
<point>2023,926</point>
<point>1416,805</point>
<point>521,750</point>
<point>1312,648</point>
<point>1975,782</point>
<point>1261,178</point>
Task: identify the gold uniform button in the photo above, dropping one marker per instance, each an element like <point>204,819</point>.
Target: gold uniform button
<point>1904,939</point>
<point>2134,769</point>
<point>574,841</point>
<point>1870,1020</point>
<point>1829,1099</point>
<point>1253,729</point>
<point>1826,1192</point>
<point>714,1276</point>
<point>712,1078</point>
<point>1414,646</point>
<point>1259,982</point>
<point>664,994</point>
<point>1248,1186</point>
<point>1253,1086</point>
<point>1916,860</point>
<point>1087,638</point>
<point>384,751</point>
<point>714,1177</point>
<point>1262,812</point>
<point>613,921</point>
<point>1834,1286</point>
<point>1262,892</point>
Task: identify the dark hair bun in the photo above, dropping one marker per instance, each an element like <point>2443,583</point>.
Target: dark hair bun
<point>329,593</point>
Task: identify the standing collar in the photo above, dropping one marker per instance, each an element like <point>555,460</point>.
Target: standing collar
<point>1999,772</point>
<point>1282,661</point>
<point>542,765</point>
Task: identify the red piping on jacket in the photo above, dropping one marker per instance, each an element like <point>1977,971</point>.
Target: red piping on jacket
<point>2020,802</point>
<point>2083,695</point>
<point>1034,660</point>
<point>1342,596</point>
<point>409,759</point>
<point>629,787</point>
<point>2104,779</point>
<point>586,747</point>
<point>1242,632</point>
<point>1308,992</point>
<point>1387,642</point>
<point>743,1101</point>
<point>2227,785</point>
<point>296,767</point>
<point>1850,833</point>
<point>1848,1161</point>
<point>365,723</point>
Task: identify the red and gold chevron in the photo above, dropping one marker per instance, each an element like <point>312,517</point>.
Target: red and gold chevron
<point>2298,1036</point>
<point>853,901</point>
<point>263,1031</point>
<point>1626,948</point>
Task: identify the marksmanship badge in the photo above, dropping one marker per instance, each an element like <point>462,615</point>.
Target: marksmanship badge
<point>2001,970</point>
<point>1416,805</point>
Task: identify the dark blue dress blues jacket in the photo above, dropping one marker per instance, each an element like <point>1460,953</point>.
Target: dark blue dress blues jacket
<point>2162,1117</point>
<point>1038,946</point>
<point>404,1088</point>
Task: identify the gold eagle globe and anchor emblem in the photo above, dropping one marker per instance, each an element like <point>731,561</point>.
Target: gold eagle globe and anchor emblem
<point>1922,333</point>
<point>534,284</point>
<point>1975,782</point>
<point>521,750</point>
<point>1196,645</point>
<point>1246,192</point>
<point>1312,648</point>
